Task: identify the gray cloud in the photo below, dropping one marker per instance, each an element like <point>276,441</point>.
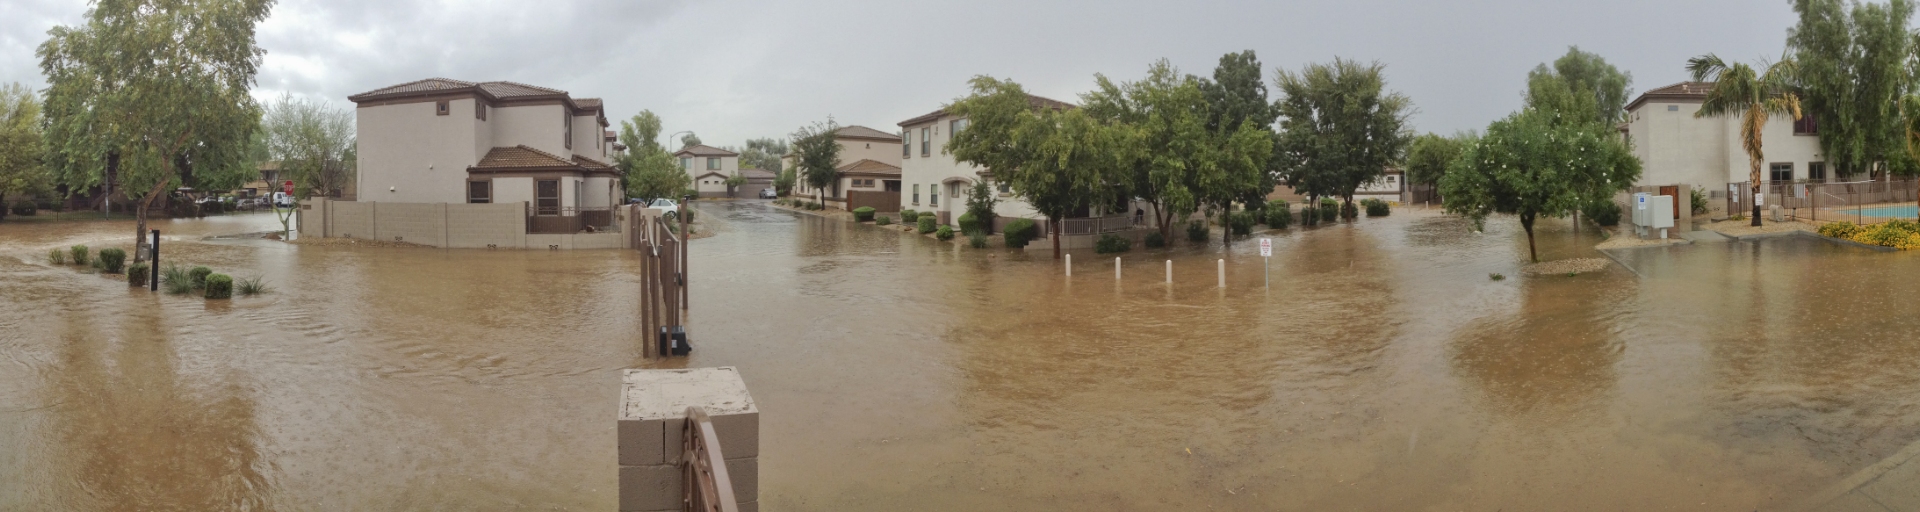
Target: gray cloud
<point>734,69</point>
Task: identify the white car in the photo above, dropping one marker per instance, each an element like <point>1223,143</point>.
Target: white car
<point>668,205</point>
<point>767,193</point>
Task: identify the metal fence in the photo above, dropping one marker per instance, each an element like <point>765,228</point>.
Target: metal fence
<point>663,281</point>
<point>568,219</point>
<point>1824,200</point>
<point>1096,225</point>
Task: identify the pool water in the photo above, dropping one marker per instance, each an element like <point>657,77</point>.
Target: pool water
<point>1891,211</point>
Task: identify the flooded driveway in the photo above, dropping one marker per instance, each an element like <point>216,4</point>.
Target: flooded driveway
<point>1383,370</point>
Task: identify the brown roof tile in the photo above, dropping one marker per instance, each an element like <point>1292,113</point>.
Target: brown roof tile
<point>862,132</point>
<point>520,157</point>
<point>430,84</point>
<point>868,167</point>
<point>590,163</point>
<point>757,173</point>
<point>1683,91</point>
<point>612,136</point>
<point>515,89</point>
<point>704,150</point>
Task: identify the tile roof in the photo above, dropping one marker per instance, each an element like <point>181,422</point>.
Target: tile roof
<point>430,84</point>
<point>704,150</point>
<point>496,89</point>
<point>1683,91</point>
<point>513,89</point>
<point>862,132</point>
<point>868,167</point>
<point>612,136</point>
<point>520,157</point>
<point>757,173</point>
<point>587,102</point>
<point>590,163</point>
<point>1034,101</point>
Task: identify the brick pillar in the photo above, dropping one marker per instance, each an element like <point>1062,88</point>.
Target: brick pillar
<point>653,405</point>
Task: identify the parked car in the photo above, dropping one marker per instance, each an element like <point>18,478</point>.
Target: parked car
<point>282,200</point>
<point>670,206</point>
<point>767,193</point>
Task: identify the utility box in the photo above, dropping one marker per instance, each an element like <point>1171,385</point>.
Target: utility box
<point>1660,212</point>
<point>1640,205</point>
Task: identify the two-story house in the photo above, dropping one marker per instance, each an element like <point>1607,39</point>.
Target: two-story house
<point>1676,148</point>
<point>449,141</point>
<point>709,167</point>
<point>934,182</point>
<point>868,164</point>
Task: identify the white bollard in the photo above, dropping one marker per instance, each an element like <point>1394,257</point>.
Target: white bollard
<point>1223,273</point>
<point>1069,265</point>
<point>1116,268</point>
<point>1169,271</point>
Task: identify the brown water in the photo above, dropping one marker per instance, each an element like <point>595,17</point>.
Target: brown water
<point>1382,371</point>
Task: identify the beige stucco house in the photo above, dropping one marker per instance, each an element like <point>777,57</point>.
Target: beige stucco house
<point>448,141</point>
<point>932,181</point>
<point>709,167</point>
<point>1676,148</point>
<point>869,162</point>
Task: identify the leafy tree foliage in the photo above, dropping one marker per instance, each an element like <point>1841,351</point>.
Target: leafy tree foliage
<point>1537,163</point>
<point>980,203</point>
<point>650,171</point>
<point>1587,75</point>
<point>763,154</point>
<point>1850,64</point>
<point>22,170</point>
<point>313,142</point>
<point>817,156</point>
<point>1240,129</point>
<point>1058,160</point>
<point>689,140</point>
<point>156,92</point>
<point>1339,128</point>
<point>1429,155</point>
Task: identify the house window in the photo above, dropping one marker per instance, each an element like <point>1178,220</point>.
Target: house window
<point>1673,108</point>
<point>916,194</point>
<point>1817,171</point>
<point>906,147</point>
<point>441,109</point>
<point>713,163</point>
<point>686,162</point>
<point>480,191</point>
<point>955,126</point>
<point>1781,172</point>
<point>1806,126</point>
<point>567,119</point>
<point>479,110</point>
<point>933,193</point>
<point>1004,188</point>
<point>926,145</point>
<point>546,195</point>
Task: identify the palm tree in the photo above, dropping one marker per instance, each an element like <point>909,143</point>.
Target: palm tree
<point>1737,89</point>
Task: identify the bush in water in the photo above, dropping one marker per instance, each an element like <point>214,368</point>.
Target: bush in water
<point>219,286</point>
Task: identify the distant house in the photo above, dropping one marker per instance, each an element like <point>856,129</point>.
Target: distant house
<point>1390,186</point>
<point>757,180</point>
<point>935,182</point>
<point>709,167</point>
<point>868,164</point>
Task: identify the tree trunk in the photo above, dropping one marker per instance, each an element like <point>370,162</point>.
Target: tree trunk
<point>1053,224</point>
<point>140,222</point>
<point>1226,227</point>
<point>1755,179</point>
<point>1526,221</point>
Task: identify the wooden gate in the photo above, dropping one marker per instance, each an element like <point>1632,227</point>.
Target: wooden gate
<point>1673,191</point>
<point>885,202</point>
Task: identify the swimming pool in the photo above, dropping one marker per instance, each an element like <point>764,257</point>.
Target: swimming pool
<point>1888,211</point>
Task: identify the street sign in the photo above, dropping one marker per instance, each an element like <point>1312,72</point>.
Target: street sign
<point>287,187</point>
<point>1266,269</point>
<point>1266,247</point>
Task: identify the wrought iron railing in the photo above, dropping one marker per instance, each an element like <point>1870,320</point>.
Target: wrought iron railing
<point>709,488</point>
<point>1096,225</point>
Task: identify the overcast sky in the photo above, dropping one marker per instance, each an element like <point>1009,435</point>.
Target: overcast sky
<point>735,69</point>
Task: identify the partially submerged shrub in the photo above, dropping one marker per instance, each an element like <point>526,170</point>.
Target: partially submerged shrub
<point>137,275</point>
<point>969,224</point>
<point>1155,240</point>
<point>57,257</point>
<point>944,233</point>
<point>1898,234</point>
<point>1377,208</point>
<point>24,207</point>
<point>1111,243</point>
<point>1020,232</point>
<point>1240,222</point>
<point>250,286</point>
<point>863,214</point>
<point>79,253</point>
<point>219,286</point>
<point>1328,210</point>
<point>926,224</point>
<point>1604,212</point>
<point>1197,232</point>
<point>909,216</point>
<point>176,280</point>
<point>977,240</point>
<point>199,277</point>
<point>112,259</point>
<point>1349,211</point>
<point>1279,217</point>
<point>883,220</point>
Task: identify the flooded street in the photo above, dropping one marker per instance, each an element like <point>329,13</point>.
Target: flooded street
<point>1383,370</point>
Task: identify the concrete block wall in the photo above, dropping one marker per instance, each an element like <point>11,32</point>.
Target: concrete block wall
<point>451,225</point>
<point>419,223</point>
<point>650,428</point>
<point>350,220</point>
<point>478,226</point>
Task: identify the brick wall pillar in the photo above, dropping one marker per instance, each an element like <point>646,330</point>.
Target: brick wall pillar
<point>653,405</point>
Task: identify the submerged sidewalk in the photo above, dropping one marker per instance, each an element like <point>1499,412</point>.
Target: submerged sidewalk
<point>1891,485</point>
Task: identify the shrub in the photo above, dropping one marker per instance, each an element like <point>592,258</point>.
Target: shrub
<point>1899,234</point>
<point>219,286</point>
<point>970,224</point>
<point>1197,232</point>
<point>1020,232</point>
<point>1240,222</point>
<point>863,214</point>
<point>212,207</point>
<point>909,216</point>
<point>926,224</point>
<point>883,220</point>
<point>252,286</point>
<point>1279,217</point>
<point>1841,229</point>
<point>1155,240</point>
<point>57,257</point>
<point>198,276</point>
<point>977,240</point>
<point>137,275</point>
<point>24,207</point>
<point>1111,243</point>
<point>112,259</point>
<point>1604,212</point>
<point>1349,211</point>
<point>1329,203</point>
<point>1700,204</point>
<point>176,280</point>
<point>1328,212</point>
<point>1497,276</point>
<point>944,233</point>
<point>1377,208</point>
<point>79,253</point>
<point>810,206</point>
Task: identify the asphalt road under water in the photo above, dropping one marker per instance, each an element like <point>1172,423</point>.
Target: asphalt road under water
<point>1383,371</point>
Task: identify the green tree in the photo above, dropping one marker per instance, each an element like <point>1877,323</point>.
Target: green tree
<point>1166,116</point>
<point>783,182</point>
<point>1057,160</point>
<point>763,154</point>
<point>817,156</point>
<point>1537,163</point>
<point>1588,74</point>
<point>312,140</point>
<point>980,203</point>
<point>650,171</point>
<point>157,89</point>
<point>735,181</point>
<point>1738,90</point>
<point>22,169</point>
<point>1339,128</point>
<point>1850,64</point>
<point>689,140</point>
<point>1429,155</point>
<point>1236,167</point>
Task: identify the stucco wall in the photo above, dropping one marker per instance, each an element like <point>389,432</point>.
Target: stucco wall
<point>588,138</point>
<point>937,169</point>
<point>536,126</point>
<point>513,190</point>
<point>698,165</point>
<point>1676,148</point>
<point>852,150</point>
<point>407,153</point>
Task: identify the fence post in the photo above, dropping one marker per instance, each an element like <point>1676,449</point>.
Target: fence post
<point>1116,268</point>
<point>1069,265</point>
<point>1223,272</point>
<point>1169,271</point>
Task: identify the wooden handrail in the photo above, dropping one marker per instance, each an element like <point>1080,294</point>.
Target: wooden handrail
<point>708,487</point>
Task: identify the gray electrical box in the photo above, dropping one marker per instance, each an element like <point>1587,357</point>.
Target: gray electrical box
<point>1660,212</point>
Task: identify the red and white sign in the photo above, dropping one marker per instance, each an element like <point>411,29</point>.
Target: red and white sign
<point>1266,247</point>
<point>287,187</point>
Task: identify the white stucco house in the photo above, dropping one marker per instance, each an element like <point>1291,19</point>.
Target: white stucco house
<point>449,141</point>
<point>869,162</point>
<point>1676,148</point>
<point>932,181</point>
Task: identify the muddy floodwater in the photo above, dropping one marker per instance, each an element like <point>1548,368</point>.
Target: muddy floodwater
<point>1384,370</point>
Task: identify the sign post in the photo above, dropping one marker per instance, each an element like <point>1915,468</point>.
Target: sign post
<point>1266,259</point>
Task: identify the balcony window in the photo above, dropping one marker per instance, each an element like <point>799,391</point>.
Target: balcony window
<point>713,163</point>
